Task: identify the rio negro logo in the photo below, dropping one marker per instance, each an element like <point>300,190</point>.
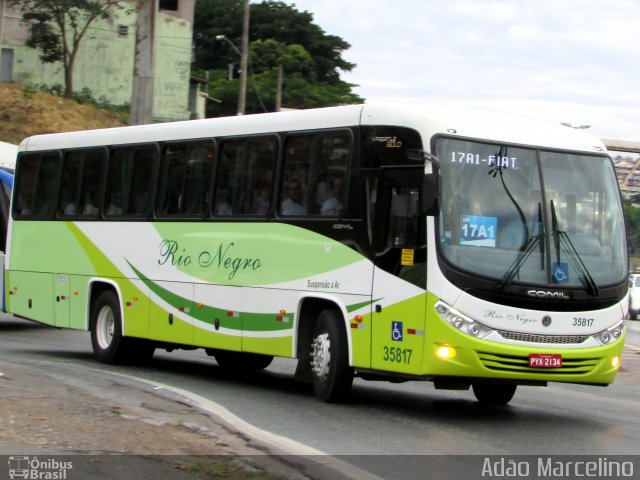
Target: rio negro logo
<point>219,257</point>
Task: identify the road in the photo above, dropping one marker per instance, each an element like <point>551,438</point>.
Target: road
<point>386,429</point>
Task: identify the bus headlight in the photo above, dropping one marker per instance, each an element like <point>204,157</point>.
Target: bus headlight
<point>461,321</point>
<point>445,352</point>
<point>610,335</point>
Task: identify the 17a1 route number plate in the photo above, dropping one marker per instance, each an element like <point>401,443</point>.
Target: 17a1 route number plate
<point>545,360</point>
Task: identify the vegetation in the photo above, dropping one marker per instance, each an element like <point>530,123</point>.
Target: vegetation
<point>280,36</point>
<point>27,111</point>
<point>288,53</point>
<point>58,27</point>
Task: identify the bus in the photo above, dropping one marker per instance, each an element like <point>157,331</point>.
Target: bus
<point>471,249</point>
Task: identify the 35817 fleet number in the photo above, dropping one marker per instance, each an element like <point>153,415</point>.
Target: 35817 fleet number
<point>582,322</point>
<point>397,354</point>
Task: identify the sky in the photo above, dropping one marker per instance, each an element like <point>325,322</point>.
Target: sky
<point>573,61</point>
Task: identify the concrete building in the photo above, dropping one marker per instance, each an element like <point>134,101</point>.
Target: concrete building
<point>105,59</point>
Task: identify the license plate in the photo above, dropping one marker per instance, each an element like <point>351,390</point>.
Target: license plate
<point>545,360</point>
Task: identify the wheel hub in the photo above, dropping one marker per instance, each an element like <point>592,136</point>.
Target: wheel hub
<point>105,326</point>
<point>320,355</point>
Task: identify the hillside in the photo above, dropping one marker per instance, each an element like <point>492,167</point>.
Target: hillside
<point>24,113</point>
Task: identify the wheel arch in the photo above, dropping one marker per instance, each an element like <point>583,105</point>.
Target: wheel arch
<point>309,307</point>
<point>96,287</point>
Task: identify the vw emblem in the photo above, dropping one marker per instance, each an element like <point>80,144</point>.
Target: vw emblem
<point>546,320</point>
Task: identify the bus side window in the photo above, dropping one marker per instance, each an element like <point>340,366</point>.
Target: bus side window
<point>48,181</point>
<point>295,181</point>
<point>92,188</point>
<point>315,174</point>
<point>81,187</point>
<point>245,176</point>
<point>332,169</point>
<point>117,181</point>
<point>131,173</point>
<point>25,194</point>
<point>260,181</point>
<point>37,184</point>
<point>70,187</point>
<point>141,181</point>
<point>197,179</point>
<point>185,179</point>
<point>230,158</point>
<point>171,184</point>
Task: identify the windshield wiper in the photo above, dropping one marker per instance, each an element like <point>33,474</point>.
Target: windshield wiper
<point>525,253</point>
<point>561,238</point>
<point>519,261</point>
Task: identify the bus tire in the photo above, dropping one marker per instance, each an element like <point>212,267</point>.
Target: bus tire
<point>494,393</point>
<point>240,361</point>
<point>109,345</point>
<point>332,377</point>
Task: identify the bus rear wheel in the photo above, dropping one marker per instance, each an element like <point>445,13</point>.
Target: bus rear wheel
<point>109,345</point>
<point>494,393</point>
<point>331,375</point>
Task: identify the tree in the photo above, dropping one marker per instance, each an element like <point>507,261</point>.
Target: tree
<point>58,27</point>
<point>268,54</point>
<point>298,90</point>
<point>280,35</point>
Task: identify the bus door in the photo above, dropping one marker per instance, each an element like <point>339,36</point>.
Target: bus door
<point>399,283</point>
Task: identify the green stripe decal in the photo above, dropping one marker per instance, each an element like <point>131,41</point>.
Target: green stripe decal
<point>99,260</point>
<point>250,322</point>
<point>358,306</point>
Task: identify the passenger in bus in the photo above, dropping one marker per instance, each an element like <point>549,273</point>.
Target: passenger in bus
<point>115,205</point>
<point>333,205</point>
<point>323,192</point>
<point>293,204</point>
<point>23,207</point>
<point>26,197</point>
<point>70,208</point>
<point>90,203</point>
<point>261,200</point>
<point>68,205</point>
<point>46,196</point>
<point>139,203</point>
<point>222,205</point>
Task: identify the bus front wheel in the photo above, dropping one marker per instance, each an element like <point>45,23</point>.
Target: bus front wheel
<point>109,345</point>
<point>332,377</point>
<point>494,393</point>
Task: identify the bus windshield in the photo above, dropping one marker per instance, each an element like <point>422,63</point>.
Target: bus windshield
<point>530,216</point>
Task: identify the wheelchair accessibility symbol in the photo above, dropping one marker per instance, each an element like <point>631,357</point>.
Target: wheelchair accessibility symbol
<point>396,331</point>
<point>560,272</point>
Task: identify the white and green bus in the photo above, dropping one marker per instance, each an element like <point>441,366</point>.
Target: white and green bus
<point>464,248</point>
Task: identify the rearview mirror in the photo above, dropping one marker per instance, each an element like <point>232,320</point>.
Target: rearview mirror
<point>430,201</point>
